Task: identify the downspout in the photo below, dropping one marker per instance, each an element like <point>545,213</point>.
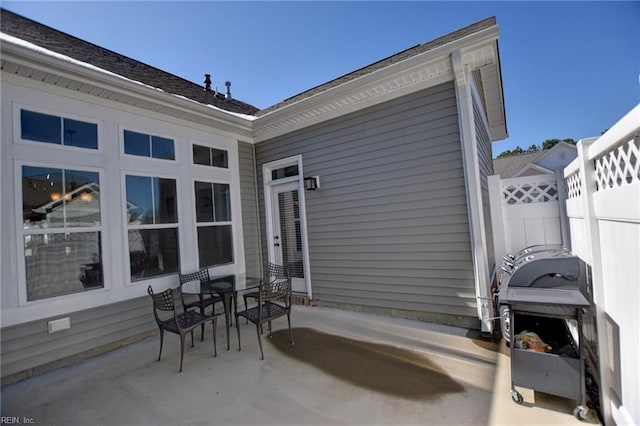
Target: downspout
<point>471,169</point>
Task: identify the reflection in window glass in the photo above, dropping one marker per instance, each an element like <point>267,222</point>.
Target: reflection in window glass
<point>40,127</point>
<point>47,128</point>
<point>62,263</point>
<point>153,252</point>
<point>162,148</point>
<point>213,205</point>
<point>215,245</point>
<point>284,172</point>
<point>151,200</point>
<point>80,134</point>
<point>204,202</point>
<point>222,202</point>
<point>213,157</point>
<point>60,256</point>
<point>54,198</point>
<point>145,145</point>
<point>201,155</point>
<point>136,144</point>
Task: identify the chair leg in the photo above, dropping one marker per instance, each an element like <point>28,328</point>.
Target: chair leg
<point>214,322</point>
<point>238,330</point>
<point>202,326</point>
<point>192,339</point>
<point>161,341</point>
<point>290,330</point>
<point>182,349</point>
<point>258,326</point>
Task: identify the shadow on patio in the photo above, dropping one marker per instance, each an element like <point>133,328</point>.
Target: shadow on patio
<point>346,368</point>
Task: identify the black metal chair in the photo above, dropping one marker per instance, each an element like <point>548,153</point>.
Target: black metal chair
<point>274,301</point>
<point>271,272</point>
<point>200,302</point>
<point>164,310</point>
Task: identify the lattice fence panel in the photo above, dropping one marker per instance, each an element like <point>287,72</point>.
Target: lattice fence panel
<point>620,166</point>
<point>527,193</point>
<point>574,185</point>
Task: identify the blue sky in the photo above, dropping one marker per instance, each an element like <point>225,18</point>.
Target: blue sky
<point>570,69</point>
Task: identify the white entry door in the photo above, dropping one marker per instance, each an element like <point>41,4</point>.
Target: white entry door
<point>287,229</point>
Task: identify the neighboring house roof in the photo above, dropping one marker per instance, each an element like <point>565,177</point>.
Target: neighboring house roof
<point>534,162</point>
<point>75,48</point>
<point>405,54</point>
<point>506,167</point>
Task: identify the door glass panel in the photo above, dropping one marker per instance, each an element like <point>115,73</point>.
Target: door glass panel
<point>291,238</point>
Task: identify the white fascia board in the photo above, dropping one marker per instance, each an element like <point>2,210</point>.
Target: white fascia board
<point>30,55</point>
<point>406,66</point>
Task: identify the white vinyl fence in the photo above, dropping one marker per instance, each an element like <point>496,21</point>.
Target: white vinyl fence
<point>603,207</point>
<point>527,211</point>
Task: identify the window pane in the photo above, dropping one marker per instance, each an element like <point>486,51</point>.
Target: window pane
<point>166,201</point>
<point>81,134</point>
<point>139,199</point>
<point>201,155</point>
<point>204,202</point>
<point>162,148</point>
<point>284,172</point>
<point>59,264</point>
<point>136,144</point>
<point>82,198</point>
<point>153,252</point>
<point>215,246</point>
<point>220,158</point>
<point>222,202</point>
<point>42,196</point>
<point>40,127</point>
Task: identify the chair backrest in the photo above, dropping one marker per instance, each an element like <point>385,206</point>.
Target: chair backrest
<point>162,301</point>
<point>275,272</point>
<point>276,284</point>
<point>202,275</point>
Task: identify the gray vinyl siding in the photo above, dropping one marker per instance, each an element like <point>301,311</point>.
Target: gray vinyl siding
<point>28,348</point>
<point>250,216</point>
<point>485,161</point>
<point>389,226</point>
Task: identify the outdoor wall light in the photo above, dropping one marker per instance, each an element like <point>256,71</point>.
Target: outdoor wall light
<point>312,183</point>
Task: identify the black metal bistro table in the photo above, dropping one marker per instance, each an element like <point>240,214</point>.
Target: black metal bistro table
<point>226,286</point>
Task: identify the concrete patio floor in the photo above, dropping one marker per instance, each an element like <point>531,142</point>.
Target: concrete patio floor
<point>128,386</point>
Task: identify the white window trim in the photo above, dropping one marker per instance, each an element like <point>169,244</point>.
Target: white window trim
<point>268,183</point>
<point>17,128</point>
<point>21,232</point>
<point>126,227</point>
<point>122,128</point>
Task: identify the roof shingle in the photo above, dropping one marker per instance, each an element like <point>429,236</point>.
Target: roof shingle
<point>73,47</point>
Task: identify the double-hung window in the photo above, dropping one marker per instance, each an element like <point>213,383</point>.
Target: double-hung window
<point>152,225</point>
<point>61,231</point>
<point>213,217</point>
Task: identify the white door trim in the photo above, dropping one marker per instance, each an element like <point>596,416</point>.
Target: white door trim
<point>268,185</point>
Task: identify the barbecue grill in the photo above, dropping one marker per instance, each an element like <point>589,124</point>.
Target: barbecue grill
<point>543,288</point>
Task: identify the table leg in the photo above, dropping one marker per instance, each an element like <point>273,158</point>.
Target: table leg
<point>226,301</point>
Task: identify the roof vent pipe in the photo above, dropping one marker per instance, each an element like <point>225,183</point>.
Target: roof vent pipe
<point>228,84</point>
<point>207,82</point>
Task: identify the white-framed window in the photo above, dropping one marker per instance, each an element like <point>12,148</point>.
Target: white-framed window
<point>209,156</point>
<point>61,230</point>
<point>146,145</point>
<point>152,226</point>
<point>40,127</point>
<point>213,223</point>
